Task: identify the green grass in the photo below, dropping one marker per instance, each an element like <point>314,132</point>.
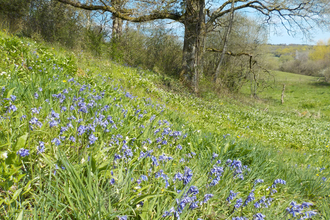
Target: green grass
<point>305,96</point>
<point>263,122</point>
<point>127,111</point>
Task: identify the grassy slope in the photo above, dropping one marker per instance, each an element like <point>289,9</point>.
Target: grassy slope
<point>266,141</point>
<point>230,116</point>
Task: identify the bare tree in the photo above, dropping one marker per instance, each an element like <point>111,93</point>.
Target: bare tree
<point>198,19</point>
<point>225,41</point>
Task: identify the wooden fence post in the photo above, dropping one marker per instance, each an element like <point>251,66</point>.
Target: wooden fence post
<point>282,98</point>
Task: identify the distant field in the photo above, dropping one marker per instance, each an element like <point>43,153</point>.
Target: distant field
<point>292,77</point>
<point>305,95</point>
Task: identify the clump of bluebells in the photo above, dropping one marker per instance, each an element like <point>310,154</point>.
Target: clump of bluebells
<point>41,147</point>
<point>263,202</point>
<point>299,211</point>
<point>193,198</point>
<point>23,152</point>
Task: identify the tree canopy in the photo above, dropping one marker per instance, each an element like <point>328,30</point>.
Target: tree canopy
<point>200,17</point>
<point>290,13</point>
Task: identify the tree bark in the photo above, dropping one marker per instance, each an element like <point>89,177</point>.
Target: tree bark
<point>117,27</point>
<point>193,46</point>
<point>117,23</point>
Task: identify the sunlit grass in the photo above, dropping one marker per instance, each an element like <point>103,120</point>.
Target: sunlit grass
<point>83,138</point>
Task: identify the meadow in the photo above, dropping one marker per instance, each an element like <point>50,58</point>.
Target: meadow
<point>87,138</point>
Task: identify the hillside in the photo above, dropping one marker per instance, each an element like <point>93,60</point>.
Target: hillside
<point>86,138</point>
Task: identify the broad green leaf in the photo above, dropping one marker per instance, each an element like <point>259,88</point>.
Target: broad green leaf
<point>16,194</point>
<point>20,216</point>
<point>21,141</point>
<point>10,92</point>
<point>11,159</point>
<point>145,210</point>
<point>141,198</point>
<point>225,149</point>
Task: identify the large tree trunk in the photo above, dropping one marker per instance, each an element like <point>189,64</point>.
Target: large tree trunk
<point>193,47</point>
<point>117,27</point>
<point>117,23</point>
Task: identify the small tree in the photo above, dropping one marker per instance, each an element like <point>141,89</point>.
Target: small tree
<point>13,13</point>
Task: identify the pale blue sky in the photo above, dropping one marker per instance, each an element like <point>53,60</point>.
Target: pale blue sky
<point>284,38</point>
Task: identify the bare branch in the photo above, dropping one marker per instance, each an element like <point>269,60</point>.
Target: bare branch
<point>308,9</point>
<point>124,13</point>
<point>229,52</point>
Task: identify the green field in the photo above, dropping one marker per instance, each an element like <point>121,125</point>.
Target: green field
<point>306,96</point>
<point>86,138</point>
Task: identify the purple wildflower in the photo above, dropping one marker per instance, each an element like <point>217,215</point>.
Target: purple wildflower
<point>13,98</point>
<point>23,152</point>
<point>278,181</point>
<point>41,147</point>
<point>12,108</point>
<point>72,138</point>
<point>56,141</point>
<point>259,216</point>
<point>207,197</point>
<point>193,190</point>
<point>53,123</point>
<point>92,139</point>
<point>123,217</point>
<point>231,196</point>
<point>239,203</point>
<point>112,181</point>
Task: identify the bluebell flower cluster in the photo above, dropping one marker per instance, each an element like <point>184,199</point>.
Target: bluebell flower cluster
<point>187,176</point>
<point>56,141</point>
<point>36,122</point>
<point>238,168</point>
<point>112,181</point>
<point>278,181</point>
<point>263,202</point>
<point>12,97</point>
<point>161,174</point>
<point>259,216</point>
<point>41,147</point>
<point>189,199</point>
<point>250,198</point>
<point>298,210</point>
<point>257,181</point>
<point>239,203</point>
<point>123,217</point>
<point>207,197</point>
<point>23,152</point>
<point>231,196</point>
<point>12,108</point>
